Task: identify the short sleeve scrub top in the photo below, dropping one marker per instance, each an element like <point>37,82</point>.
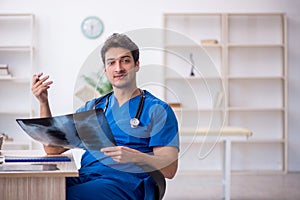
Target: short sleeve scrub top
<point>100,177</point>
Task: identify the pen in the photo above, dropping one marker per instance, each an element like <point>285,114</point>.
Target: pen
<point>38,77</point>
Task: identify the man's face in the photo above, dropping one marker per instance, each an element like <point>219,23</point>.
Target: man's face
<point>120,67</point>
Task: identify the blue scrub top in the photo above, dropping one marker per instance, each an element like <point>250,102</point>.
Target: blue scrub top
<point>158,127</point>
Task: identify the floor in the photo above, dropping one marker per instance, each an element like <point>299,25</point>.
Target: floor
<point>243,187</point>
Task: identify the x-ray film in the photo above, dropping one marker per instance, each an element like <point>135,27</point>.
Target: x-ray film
<point>88,130</point>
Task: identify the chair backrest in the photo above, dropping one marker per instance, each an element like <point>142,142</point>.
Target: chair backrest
<point>159,179</point>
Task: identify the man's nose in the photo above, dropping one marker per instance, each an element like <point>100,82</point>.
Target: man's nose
<point>118,65</point>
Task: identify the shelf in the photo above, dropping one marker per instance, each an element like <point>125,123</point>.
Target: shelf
<point>180,59</point>
<point>186,138</point>
<point>19,63</point>
<point>193,26</point>
<point>16,15</point>
<point>198,110</point>
<point>255,45</point>
<point>256,77</point>
<point>248,66</point>
<point>14,112</point>
<point>16,29</point>
<point>16,47</point>
<point>16,145</point>
<point>15,79</point>
<point>18,111</point>
<point>192,78</point>
<point>255,109</point>
<point>255,29</point>
<point>262,141</point>
<point>193,46</point>
<point>256,93</point>
<point>17,51</point>
<point>256,62</point>
<point>6,77</point>
<point>263,123</point>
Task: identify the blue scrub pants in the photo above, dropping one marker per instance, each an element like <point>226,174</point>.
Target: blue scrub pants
<point>102,188</point>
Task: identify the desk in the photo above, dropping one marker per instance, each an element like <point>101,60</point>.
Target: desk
<point>35,185</point>
<point>225,135</point>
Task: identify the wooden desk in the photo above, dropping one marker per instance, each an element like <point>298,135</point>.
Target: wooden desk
<point>35,185</point>
<point>225,135</point>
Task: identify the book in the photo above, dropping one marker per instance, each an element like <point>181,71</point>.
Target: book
<point>3,66</point>
<point>209,41</point>
<point>86,130</point>
<point>175,105</point>
<point>36,159</point>
<point>4,69</point>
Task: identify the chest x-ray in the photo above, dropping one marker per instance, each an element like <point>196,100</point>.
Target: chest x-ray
<point>88,130</point>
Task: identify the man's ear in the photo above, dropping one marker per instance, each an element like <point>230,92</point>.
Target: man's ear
<point>105,71</point>
<point>137,66</point>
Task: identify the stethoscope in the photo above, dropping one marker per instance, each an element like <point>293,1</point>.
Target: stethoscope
<point>134,122</point>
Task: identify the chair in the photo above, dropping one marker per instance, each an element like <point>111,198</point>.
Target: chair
<point>159,179</point>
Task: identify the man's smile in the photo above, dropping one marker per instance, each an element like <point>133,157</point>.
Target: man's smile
<point>120,76</point>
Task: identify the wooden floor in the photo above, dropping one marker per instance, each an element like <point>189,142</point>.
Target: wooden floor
<point>243,187</point>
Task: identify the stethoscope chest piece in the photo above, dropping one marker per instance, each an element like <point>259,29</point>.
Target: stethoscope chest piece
<point>134,122</point>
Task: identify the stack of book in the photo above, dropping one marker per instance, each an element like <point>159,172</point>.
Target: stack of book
<point>4,72</point>
<point>209,42</point>
<point>175,105</point>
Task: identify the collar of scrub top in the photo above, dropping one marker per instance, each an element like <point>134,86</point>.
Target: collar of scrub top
<point>134,122</point>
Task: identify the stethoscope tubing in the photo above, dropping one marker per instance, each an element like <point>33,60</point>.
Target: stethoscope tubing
<point>134,122</point>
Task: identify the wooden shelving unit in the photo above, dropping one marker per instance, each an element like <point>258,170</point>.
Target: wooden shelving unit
<point>16,50</point>
<point>248,66</point>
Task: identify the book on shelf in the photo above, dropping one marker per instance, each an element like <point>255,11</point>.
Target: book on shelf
<point>4,70</point>
<point>175,105</point>
<point>209,41</point>
<point>3,66</point>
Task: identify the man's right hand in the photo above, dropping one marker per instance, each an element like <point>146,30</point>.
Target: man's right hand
<point>39,88</point>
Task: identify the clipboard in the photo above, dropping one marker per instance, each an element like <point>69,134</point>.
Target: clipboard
<point>86,130</point>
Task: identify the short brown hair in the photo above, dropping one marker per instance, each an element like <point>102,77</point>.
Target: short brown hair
<point>123,41</point>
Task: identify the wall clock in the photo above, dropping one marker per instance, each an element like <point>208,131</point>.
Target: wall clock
<point>92,27</point>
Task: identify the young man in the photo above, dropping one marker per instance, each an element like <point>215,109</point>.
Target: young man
<point>112,172</point>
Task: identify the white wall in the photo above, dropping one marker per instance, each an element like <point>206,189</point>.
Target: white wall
<point>62,49</point>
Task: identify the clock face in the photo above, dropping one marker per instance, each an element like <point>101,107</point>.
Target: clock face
<point>92,27</point>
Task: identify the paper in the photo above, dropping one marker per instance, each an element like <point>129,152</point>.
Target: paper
<point>88,130</point>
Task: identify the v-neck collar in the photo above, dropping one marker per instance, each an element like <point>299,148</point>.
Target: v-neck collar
<point>115,104</point>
